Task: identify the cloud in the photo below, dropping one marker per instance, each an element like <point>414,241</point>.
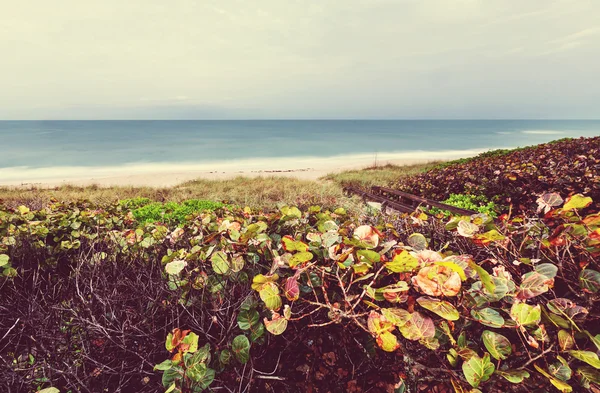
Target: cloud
<point>337,58</point>
<point>578,35</point>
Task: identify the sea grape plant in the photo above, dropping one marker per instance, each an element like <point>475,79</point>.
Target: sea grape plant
<point>489,302</point>
<point>513,180</point>
<point>477,314</point>
<point>187,370</point>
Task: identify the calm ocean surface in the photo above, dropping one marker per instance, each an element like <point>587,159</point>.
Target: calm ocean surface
<point>48,144</point>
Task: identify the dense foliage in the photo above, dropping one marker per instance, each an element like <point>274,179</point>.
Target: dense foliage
<point>146,211</point>
<point>298,300</point>
<point>474,203</point>
<point>517,177</point>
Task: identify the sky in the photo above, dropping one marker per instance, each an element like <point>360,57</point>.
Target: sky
<point>240,59</point>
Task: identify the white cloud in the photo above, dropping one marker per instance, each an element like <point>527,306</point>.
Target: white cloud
<point>398,58</point>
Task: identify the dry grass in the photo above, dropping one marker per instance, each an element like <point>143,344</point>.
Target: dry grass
<point>385,175</point>
<point>263,193</point>
<point>260,193</point>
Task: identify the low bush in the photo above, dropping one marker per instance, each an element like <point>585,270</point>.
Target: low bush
<point>473,203</point>
<point>169,212</point>
<point>292,301</point>
<point>514,179</point>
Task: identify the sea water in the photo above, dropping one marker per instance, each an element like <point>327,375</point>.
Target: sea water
<point>48,147</point>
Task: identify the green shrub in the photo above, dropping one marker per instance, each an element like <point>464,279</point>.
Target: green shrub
<point>173,212</point>
<point>477,203</point>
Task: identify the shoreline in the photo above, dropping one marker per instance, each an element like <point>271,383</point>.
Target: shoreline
<point>168,174</point>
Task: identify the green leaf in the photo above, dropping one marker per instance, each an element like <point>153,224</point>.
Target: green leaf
<point>164,365</point>
<point>458,269</point>
<point>259,281</point>
<point>397,316</point>
<point>49,390</point>
<point>9,272</point>
<point>417,242</point>
<point>488,317</point>
<point>290,244</point>
<point>498,345</point>
<point>513,376</point>
<point>220,262</point>
<point>547,269</point>
<point>588,375</point>
<point>241,348</point>
<point>247,318</point>
<point>484,276</point>
<point>594,339</point>
<point>300,258</point>
<point>175,267</point>
<point>290,212</point>
<point>402,263</point>
<point>201,374</point>
<point>478,369</point>
<point>526,315</point>
<point>442,308</point>
<point>4,261</point>
<point>560,369</point>
<point>587,356</point>
<point>577,201</point>
<point>489,236</point>
<point>172,375</point>
<point>237,263</point>
<point>270,295</point>
<point>589,280</point>
<point>169,342</point>
<point>560,385</point>
<point>340,211</point>
<point>257,332</point>
<point>225,356</point>
<point>368,256</point>
<point>191,339</point>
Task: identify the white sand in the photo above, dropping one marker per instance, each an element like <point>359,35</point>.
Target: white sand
<point>168,174</point>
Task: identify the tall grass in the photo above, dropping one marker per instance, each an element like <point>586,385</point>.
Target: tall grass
<point>265,193</point>
<point>377,175</point>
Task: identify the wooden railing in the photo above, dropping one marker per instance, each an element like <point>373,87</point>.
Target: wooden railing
<point>402,201</point>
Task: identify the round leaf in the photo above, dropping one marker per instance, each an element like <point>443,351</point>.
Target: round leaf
<point>498,345</point>
<point>417,241</point>
<point>577,201</point>
<point>276,325</point>
<point>270,295</point>
<point>220,263</point>
<point>526,315</point>
<point>589,280</point>
<point>241,348</point>
<point>442,308</point>
<point>478,369</point>
<point>488,317</point>
<point>175,267</point>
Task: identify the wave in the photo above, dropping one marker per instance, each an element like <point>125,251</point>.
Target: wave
<point>544,132</point>
<point>25,175</point>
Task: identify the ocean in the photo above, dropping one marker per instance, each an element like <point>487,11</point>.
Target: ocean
<point>35,149</point>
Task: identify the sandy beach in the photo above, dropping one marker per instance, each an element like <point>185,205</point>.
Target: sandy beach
<point>170,174</point>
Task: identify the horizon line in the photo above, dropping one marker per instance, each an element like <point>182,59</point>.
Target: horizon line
<point>317,119</point>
